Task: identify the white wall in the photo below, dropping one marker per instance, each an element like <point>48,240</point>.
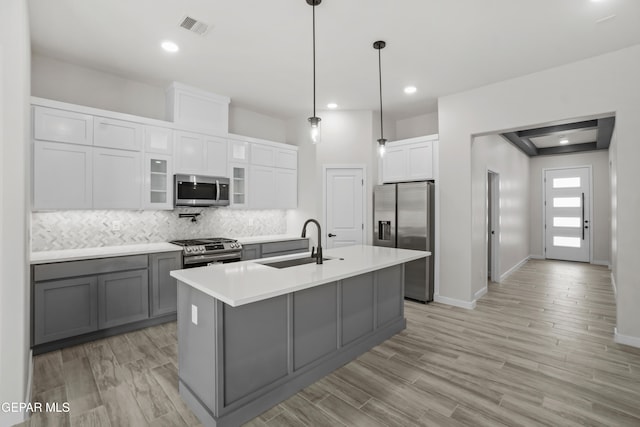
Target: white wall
<point>67,82</point>
<point>347,138</point>
<point>601,215</point>
<point>14,208</point>
<point>603,84</point>
<point>493,153</point>
<point>425,124</point>
<point>249,123</point>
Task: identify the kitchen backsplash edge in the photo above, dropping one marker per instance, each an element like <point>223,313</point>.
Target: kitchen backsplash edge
<point>76,229</point>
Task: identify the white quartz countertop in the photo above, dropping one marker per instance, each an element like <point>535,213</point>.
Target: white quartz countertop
<point>248,240</point>
<point>46,257</point>
<point>245,282</point>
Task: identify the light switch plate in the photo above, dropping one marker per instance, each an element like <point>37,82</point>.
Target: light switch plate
<point>194,314</point>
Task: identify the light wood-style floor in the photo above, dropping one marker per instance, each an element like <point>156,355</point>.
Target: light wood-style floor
<point>537,350</point>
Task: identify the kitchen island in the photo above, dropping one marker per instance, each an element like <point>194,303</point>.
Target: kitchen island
<point>250,335</point>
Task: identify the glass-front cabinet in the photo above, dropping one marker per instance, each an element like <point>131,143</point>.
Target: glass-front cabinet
<point>239,185</point>
<point>158,188</point>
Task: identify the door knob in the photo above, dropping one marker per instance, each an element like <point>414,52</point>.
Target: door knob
<point>331,235</point>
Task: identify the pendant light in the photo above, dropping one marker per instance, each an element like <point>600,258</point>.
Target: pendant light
<point>379,45</point>
<point>314,122</point>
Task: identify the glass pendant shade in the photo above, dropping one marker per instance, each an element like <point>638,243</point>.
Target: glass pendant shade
<point>381,146</point>
<point>315,133</point>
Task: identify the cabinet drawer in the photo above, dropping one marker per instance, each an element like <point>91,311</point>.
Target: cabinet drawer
<point>87,267</point>
<point>50,124</point>
<point>274,248</point>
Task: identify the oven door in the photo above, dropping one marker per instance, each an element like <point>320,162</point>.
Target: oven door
<point>204,260</point>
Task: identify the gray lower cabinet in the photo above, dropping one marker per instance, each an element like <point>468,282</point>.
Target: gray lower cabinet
<point>251,251</point>
<point>123,297</point>
<point>237,362</point>
<point>65,308</point>
<point>164,291</point>
<point>76,301</point>
<point>271,249</point>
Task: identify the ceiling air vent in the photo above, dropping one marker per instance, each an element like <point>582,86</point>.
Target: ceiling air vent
<point>195,26</point>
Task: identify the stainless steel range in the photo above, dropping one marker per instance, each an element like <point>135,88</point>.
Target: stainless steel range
<point>201,252</point>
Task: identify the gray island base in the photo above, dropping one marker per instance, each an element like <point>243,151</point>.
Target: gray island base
<point>238,362</point>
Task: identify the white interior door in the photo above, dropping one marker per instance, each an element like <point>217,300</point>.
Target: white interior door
<point>567,214</point>
<point>344,207</point>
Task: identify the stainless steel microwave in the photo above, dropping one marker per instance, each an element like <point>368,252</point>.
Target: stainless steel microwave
<point>198,190</point>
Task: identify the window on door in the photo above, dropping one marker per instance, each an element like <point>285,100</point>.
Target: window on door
<point>567,213</point>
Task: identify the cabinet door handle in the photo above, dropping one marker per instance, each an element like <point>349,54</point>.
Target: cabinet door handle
<point>331,235</point>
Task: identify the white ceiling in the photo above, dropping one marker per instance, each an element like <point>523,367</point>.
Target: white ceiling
<point>259,52</point>
<point>581,136</point>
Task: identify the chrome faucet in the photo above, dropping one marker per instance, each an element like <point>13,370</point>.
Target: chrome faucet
<point>317,255</point>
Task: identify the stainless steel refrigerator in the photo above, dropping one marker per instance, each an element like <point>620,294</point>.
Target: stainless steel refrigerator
<point>404,218</point>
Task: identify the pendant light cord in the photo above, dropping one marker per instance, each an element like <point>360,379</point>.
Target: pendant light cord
<point>380,74</point>
<point>314,59</point>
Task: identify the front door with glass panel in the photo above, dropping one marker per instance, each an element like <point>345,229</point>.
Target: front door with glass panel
<point>567,214</point>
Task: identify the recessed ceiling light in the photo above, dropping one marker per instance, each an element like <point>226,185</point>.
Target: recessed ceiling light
<point>169,46</point>
<point>410,89</point>
<point>332,105</point>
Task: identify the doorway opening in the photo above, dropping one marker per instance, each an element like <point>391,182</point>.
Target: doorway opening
<point>493,226</point>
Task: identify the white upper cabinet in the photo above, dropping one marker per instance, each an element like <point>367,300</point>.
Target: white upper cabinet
<point>158,140</point>
<point>117,179</point>
<point>273,177</point>
<point>216,156</point>
<point>158,182</point>
<point>197,108</point>
<point>409,160</point>
<point>263,155</point>
<point>238,151</point>
<point>262,187</point>
<point>286,188</point>
<point>119,134</point>
<point>62,176</point>
<point>200,154</point>
<point>50,124</point>
<point>239,174</point>
<point>287,159</point>
<point>190,153</point>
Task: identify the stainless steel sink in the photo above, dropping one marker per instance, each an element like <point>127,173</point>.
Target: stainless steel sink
<point>292,262</point>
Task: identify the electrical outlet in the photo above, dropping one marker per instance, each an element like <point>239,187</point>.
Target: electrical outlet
<point>194,314</point>
<point>115,226</point>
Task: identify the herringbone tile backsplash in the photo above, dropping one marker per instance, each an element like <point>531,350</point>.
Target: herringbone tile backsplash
<point>87,229</point>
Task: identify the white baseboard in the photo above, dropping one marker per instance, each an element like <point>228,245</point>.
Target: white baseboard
<point>469,305</point>
<point>615,289</point>
<point>536,257</point>
<point>29,393</point>
<point>514,268</point>
<point>626,339</point>
<point>480,293</point>
<point>598,262</point>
